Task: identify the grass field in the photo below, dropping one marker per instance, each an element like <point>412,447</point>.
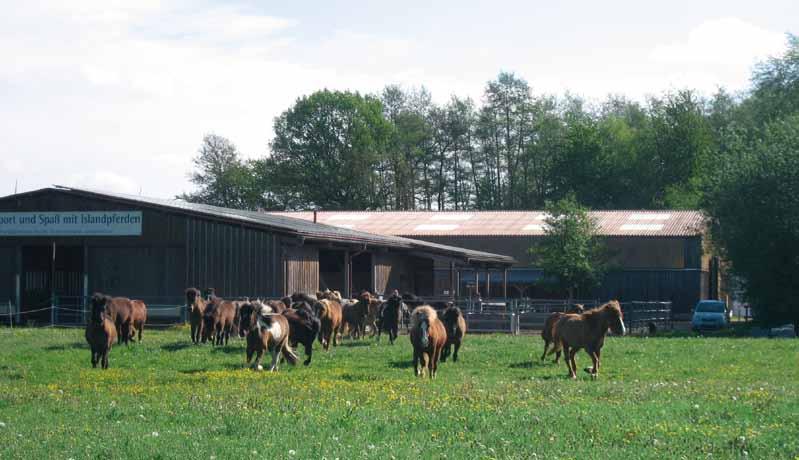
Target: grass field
<point>656,398</point>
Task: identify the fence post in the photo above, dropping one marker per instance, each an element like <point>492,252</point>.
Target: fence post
<point>52,310</point>
<point>10,316</point>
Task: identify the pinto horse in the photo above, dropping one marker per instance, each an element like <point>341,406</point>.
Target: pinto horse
<point>196,306</point>
<point>303,327</point>
<point>265,332</point>
<point>390,316</point>
<point>587,330</point>
<point>428,337</point>
<point>101,333</point>
<point>549,326</point>
<point>329,314</point>
<point>455,325</point>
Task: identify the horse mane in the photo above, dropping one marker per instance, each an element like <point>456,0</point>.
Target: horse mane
<point>423,313</point>
<point>452,313</point>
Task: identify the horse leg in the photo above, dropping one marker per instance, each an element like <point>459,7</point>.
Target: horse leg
<point>259,354</point>
<point>94,357</point>
<point>308,351</point>
<point>105,358</point>
<point>275,357</point>
<point>393,334</point>
<point>249,354</point>
<point>546,346</point>
<point>455,353</point>
<point>573,365</point>
<point>445,353</point>
<point>415,362</point>
<point>141,328</point>
<point>434,362</point>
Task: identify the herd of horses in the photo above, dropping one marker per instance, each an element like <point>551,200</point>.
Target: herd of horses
<point>278,327</point>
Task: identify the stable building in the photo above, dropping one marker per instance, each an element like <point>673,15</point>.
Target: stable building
<point>656,255</point>
<point>60,244</point>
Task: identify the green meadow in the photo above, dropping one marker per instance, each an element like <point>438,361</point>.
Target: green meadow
<point>659,398</point>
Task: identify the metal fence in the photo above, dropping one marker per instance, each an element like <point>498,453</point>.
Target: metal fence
<point>513,316</point>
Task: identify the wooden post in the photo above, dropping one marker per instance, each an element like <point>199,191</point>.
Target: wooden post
<point>505,283</point>
<point>488,284</point>
<point>18,283</point>
<point>347,275</point>
<point>452,280</point>
<point>86,280</point>
<point>52,288</point>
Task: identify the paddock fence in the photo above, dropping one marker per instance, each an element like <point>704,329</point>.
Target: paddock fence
<point>497,315</point>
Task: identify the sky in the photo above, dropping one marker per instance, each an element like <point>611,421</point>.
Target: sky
<point>117,95</point>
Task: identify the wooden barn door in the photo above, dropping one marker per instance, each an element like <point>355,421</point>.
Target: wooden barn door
<point>301,270</point>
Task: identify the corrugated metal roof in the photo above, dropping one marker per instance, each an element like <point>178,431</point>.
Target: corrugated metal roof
<point>506,223</point>
<point>292,225</point>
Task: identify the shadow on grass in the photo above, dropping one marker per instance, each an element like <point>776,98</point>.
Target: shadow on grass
<point>229,349</point>
<point>355,343</point>
<point>401,364</point>
<point>193,371</point>
<point>535,364</point>
<point>68,346</point>
<point>176,346</point>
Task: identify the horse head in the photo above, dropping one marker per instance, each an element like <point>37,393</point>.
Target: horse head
<point>99,306</point>
<point>615,317</point>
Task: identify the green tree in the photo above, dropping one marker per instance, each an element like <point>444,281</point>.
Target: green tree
<point>571,253</point>
<point>753,204</point>
<point>327,152</point>
<point>776,84</point>
<point>222,177</point>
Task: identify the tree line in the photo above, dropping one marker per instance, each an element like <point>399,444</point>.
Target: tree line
<point>735,156</point>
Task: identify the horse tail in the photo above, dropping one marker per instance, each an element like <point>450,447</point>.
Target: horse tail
<point>556,340</point>
<point>289,354</point>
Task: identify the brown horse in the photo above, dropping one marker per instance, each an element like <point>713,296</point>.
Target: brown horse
<point>329,314</point>
<point>138,318</point>
<point>354,315</point>
<point>266,332</point>
<point>196,306</point>
<point>587,330</point>
<point>549,326</point>
<point>101,333</point>
<point>218,320</point>
<point>455,325</point>
<point>428,337</point>
<point>120,310</point>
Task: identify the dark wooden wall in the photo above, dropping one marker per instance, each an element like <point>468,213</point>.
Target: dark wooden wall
<point>302,269</point>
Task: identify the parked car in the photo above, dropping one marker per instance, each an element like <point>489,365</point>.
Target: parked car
<point>709,314</point>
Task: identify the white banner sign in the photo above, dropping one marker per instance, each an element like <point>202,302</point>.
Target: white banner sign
<point>77,223</point>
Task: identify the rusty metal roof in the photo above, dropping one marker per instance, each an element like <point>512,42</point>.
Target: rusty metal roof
<point>505,223</point>
<point>288,224</point>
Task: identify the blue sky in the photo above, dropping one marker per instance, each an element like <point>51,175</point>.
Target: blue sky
<point>117,95</point>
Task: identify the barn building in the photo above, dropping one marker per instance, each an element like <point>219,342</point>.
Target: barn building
<point>657,255</point>
<point>65,243</point>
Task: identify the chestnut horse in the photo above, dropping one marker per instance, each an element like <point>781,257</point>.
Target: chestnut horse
<point>587,330</point>
<point>138,318</point>
<point>549,326</point>
<point>101,333</point>
<point>218,320</point>
<point>428,337</point>
<point>303,327</point>
<point>265,332</point>
<point>455,325</point>
<point>120,310</point>
<point>329,314</point>
<point>196,306</point>
<point>390,316</point>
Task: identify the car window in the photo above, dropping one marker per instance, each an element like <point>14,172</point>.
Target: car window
<point>710,307</point>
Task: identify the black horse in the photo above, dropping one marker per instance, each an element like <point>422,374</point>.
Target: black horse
<point>390,316</point>
<point>303,327</point>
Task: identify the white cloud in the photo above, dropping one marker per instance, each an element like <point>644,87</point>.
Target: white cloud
<point>103,181</point>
